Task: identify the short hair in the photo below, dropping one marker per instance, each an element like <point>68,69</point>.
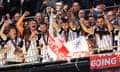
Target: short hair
<point>76,2</point>
<point>46,16</point>
<point>12,27</point>
<point>91,16</point>
<point>100,17</point>
<point>65,19</point>
<point>31,20</point>
<point>43,23</point>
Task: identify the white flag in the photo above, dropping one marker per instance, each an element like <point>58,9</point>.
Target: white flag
<point>78,47</point>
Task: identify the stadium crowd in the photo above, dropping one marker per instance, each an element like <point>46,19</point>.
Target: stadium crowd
<point>26,40</point>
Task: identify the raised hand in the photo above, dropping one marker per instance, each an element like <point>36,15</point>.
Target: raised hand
<point>26,13</point>
<point>105,17</point>
<point>6,23</point>
<point>82,20</point>
<point>71,10</point>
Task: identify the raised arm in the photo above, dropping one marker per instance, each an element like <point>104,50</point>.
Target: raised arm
<point>109,24</point>
<point>90,31</point>
<point>19,24</point>
<point>3,36</point>
<point>73,21</point>
<point>56,26</point>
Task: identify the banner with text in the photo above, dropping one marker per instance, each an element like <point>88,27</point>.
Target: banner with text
<point>101,61</point>
<point>60,50</point>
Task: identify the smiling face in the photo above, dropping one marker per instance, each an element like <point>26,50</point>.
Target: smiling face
<point>65,26</point>
<point>100,22</point>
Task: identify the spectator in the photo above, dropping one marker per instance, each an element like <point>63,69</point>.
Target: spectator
<point>81,14</point>
<point>99,10</point>
<point>38,17</point>
<point>76,8</point>
<point>46,19</point>
<point>47,11</point>
<point>16,17</point>
<point>92,21</point>
<point>112,17</point>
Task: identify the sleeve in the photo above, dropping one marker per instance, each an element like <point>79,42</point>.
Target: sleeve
<point>19,25</point>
